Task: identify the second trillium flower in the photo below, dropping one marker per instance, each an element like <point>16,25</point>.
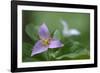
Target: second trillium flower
<point>45,42</point>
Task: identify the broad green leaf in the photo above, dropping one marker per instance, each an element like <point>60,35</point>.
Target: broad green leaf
<point>31,31</point>
<point>75,54</point>
<point>75,51</point>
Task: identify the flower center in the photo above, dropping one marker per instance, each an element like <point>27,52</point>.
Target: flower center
<point>46,42</point>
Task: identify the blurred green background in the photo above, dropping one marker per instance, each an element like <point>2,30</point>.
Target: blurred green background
<point>75,47</point>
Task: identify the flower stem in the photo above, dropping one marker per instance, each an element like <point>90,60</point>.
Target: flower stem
<point>48,54</point>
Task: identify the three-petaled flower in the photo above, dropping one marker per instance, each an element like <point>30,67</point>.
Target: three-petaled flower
<point>45,42</point>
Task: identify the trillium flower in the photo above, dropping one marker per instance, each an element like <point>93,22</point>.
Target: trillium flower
<point>45,42</point>
<point>69,32</point>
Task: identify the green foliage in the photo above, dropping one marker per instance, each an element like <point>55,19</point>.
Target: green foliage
<point>26,51</point>
<point>31,31</point>
<point>78,54</point>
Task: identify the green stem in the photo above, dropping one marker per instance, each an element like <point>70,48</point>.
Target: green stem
<point>48,54</point>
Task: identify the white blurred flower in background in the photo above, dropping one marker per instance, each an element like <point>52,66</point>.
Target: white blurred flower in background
<point>68,32</point>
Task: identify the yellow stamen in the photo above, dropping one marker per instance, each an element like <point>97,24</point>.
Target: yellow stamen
<point>46,42</point>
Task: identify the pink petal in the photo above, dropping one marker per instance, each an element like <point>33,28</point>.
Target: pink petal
<point>44,32</point>
<point>55,44</point>
<point>39,48</point>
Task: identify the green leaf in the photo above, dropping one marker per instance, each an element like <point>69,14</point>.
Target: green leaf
<point>30,59</point>
<point>57,35</point>
<point>75,54</point>
<point>26,50</point>
<point>31,31</point>
<point>75,46</point>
